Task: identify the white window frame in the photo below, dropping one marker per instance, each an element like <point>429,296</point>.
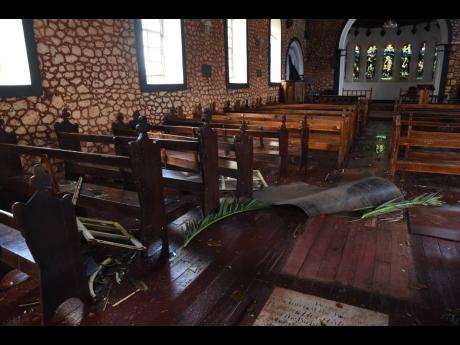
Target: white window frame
<point>165,61</point>
<point>19,57</point>
<point>229,55</point>
<point>272,51</point>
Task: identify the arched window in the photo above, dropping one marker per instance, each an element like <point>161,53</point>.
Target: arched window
<point>19,72</point>
<point>421,60</point>
<point>357,59</point>
<point>275,50</point>
<point>434,62</point>
<point>237,52</point>
<point>388,61</point>
<point>371,60</point>
<point>160,50</point>
<point>406,54</point>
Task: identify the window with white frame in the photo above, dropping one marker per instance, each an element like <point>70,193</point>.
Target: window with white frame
<point>14,64</point>
<point>162,49</point>
<point>237,54</point>
<point>275,50</point>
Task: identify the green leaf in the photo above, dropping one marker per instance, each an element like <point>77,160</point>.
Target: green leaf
<point>227,208</point>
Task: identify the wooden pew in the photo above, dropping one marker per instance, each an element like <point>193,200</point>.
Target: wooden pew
<point>362,94</point>
<point>103,174</point>
<point>312,129</point>
<point>430,161</point>
<point>146,203</point>
<point>201,180</point>
<point>276,131</point>
<point>349,110</point>
<point>444,117</point>
<point>361,103</point>
<point>237,165</point>
<point>42,240</point>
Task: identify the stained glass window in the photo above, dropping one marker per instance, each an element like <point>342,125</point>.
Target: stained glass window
<point>406,54</point>
<point>388,59</point>
<point>371,60</point>
<point>357,56</point>
<point>420,61</point>
<point>434,61</point>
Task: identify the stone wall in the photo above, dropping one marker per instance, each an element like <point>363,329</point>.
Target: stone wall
<point>90,66</point>
<point>321,50</point>
<point>453,72</point>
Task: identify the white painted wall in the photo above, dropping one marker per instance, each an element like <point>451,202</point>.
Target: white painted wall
<point>383,89</point>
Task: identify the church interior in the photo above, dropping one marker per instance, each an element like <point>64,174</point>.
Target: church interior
<point>230,172</point>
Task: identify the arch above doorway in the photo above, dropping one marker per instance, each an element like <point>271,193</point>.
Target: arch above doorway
<point>294,57</point>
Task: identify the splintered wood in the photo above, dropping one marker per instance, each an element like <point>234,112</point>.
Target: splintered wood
<point>292,308</point>
<point>107,232</point>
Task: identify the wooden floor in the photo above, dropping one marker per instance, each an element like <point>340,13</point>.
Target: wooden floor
<point>227,273</point>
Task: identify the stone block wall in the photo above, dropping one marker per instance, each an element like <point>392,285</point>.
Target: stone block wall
<point>453,72</point>
<point>90,66</point>
<point>321,52</point>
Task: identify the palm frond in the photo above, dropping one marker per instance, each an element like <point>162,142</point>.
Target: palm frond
<point>227,208</point>
<point>426,199</point>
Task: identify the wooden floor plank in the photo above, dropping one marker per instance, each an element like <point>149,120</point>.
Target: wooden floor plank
<point>313,259</point>
<point>365,270</point>
<point>302,246</point>
<point>438,276</point>
<point>334,252</point>
<point>347,268</point>
<point>383,256</point>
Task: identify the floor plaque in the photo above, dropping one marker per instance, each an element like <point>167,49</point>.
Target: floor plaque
<point>292,308</point>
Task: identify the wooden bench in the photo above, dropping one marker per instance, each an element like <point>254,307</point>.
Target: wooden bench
<point>327,131</point>
<point>42,240</point>
<point>350,111</point>
<point>433,153</point>
<point>199,179</point>
<point>146,203</point>
<point>361,103</point>
<point>362,94</point>
<point>237,165</point>
<point>276,133</point>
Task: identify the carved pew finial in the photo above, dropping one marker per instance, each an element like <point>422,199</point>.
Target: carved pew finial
<point>142,127</point>
<point>65,114</point>
<point>212,106</point>
<point>197,111</point>
<point>243,126</point>
<point>227,107</point>
<point>172,111</point>
<point>207,115</point>
<point>283,120</point>
<point>2,126</point>
<point>119,116</point>
<point>40,180</point>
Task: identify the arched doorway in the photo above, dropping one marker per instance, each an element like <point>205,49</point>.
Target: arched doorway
<point>294,61</point>
<point>435,60</point>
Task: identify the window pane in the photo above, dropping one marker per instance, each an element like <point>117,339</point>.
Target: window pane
<point>237,52</point>
<point>421,60</point>
<point>14,65</point>
<point>371,59</point>
<point>357,59</point>
<point>163,51</point>
<point>151,24</point>
<point>406,54</point>
<point>388,59</point>
<point>275,50</point>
